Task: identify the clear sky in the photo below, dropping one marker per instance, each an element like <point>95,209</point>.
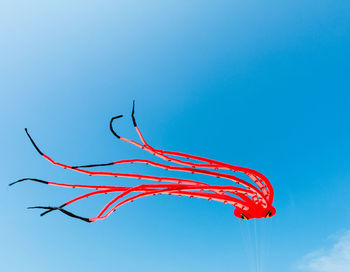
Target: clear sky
<point>261,84</point>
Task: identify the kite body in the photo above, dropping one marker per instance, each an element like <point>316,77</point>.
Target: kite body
<point>250,200</point>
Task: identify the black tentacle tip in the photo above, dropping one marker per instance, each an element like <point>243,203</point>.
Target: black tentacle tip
<point>43,207</point>
<point>32,179</point>
<point>133,112</point>
<point>18,181</point>
<point>92,165</point>
<point>111,127</point>
<point>31,139</point>
<point>50,209</point>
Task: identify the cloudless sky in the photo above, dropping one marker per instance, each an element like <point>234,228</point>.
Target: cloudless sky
<point>260,84</point>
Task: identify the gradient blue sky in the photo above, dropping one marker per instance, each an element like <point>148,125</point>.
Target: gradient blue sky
<point>261,84</point>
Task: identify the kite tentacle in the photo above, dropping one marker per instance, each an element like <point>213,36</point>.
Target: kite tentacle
<point>266,188</point>
<point>146,177</point>
<point>203,186</point>
<point>258,178</point>
<point>172,168</point>
<point>223,190</point>
<point>181,190</point>
<point>224,199</point>
<point>149,148</point>
<point>164,179</point>
<point>262,193</point>
<point>97,187</point>
<point>147,187</point>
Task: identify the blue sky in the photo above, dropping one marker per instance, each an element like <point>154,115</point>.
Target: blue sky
<point>253,83</point>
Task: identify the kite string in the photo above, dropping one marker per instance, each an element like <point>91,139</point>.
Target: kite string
<point>246,237</point>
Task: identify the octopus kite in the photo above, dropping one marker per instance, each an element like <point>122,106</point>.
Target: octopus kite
<point>250,199</point>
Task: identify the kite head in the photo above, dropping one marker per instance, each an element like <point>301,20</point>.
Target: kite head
<point>257,212</point>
